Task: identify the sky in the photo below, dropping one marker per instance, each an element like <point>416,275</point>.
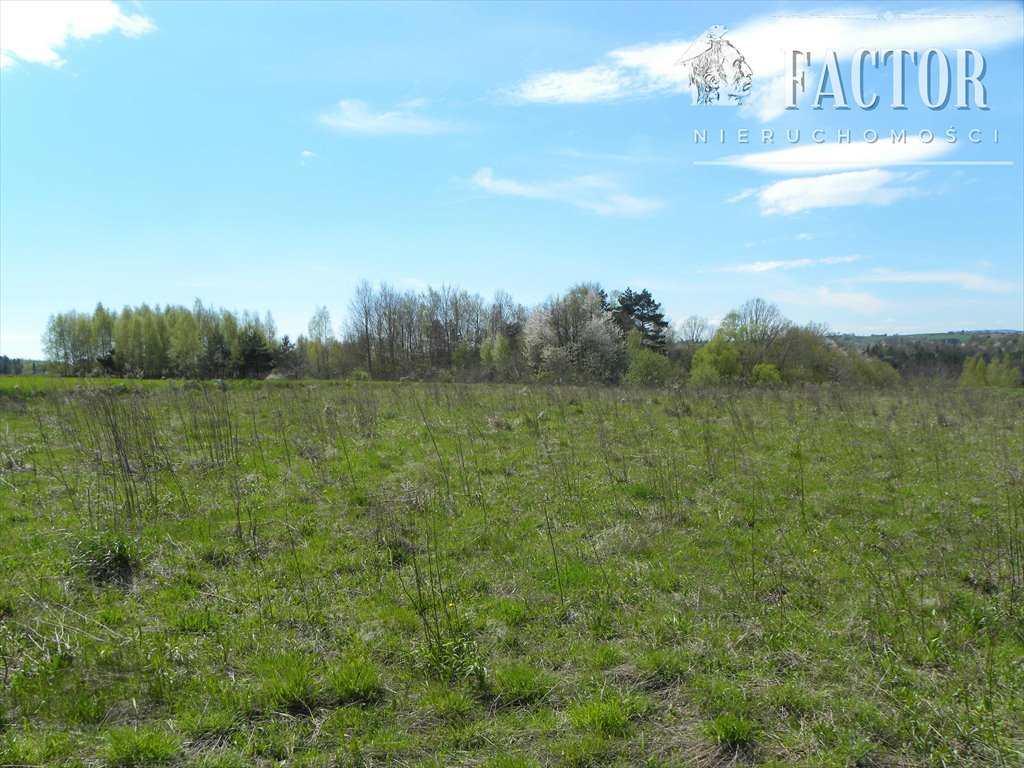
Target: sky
<point>269,156</point>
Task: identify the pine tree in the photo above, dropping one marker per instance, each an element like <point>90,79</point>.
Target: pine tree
<point>641,311</point>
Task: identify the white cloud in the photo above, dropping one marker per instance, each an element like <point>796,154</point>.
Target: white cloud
<point>355,116</point>
<point>768,266</point>
<point>305,155</point>
<point>742,195</point>
<point>594,193</point>
<point>627,73</point>
<point>873,187</point>
<point>822,296</point>
<point>599,83</point>
<point>966,280</point>
<point>837,157</point>
<point>651,69</point>
<point>33,32</point>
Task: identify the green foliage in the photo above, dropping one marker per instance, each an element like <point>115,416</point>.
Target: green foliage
<point>638,311</point>
<point>608,714</point>
<point>136,747</point>
<point>495,351</point>
<point>356,681</point>
<point>522,684</point>
<point>766,373</point>
<point>856,368</point>
<point>648,368</point>
<point>716,361</point>
<point>1002,373</point>
<point>511,761</point>
<point>997,373</point>
<point>107,556</point>
<point>940,355</point>
<point>456,657</point>
<point>449,704</point>
<point>664,666</point>
<point>704,374</point>
<point>732,730</point>
<point>287,683</point>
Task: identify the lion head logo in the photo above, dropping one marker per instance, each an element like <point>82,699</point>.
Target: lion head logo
<point>719,74</point>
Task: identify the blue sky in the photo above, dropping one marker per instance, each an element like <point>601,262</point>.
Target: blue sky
<point>268,156</point>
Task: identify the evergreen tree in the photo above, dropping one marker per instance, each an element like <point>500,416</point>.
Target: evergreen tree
<point>641,311</point>
<point>286,359</point>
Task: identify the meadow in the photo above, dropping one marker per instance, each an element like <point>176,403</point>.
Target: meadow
<point>369,574</point>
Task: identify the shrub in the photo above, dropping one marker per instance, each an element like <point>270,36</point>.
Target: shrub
<point>766,373</point>
<point>720,356</point>
<point>703,374</point>
<point>647,367</point>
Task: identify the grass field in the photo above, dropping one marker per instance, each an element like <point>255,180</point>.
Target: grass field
<point>373,574</point>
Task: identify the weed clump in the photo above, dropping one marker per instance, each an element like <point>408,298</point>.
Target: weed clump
<point>732,730</point>
<point>287,684</point>
<point>608,715</point>
<point>521,684</point>
<point>131,747</point>
<point>107,557</point>
<point>357,681</point>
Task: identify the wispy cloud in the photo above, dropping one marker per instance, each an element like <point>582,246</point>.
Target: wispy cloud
<point>769,266</point>
<point>594,193</point>
<point>597,83</point>
<point>649,69</point>
<point>874,187</point>
<point>643,70</point>
<point>356,116</point>
<point>856,301</point>
<point>838,157</point>
<point>305,156</point>
<point>34,32</point>
<point>742,195</point>
<point>969,281</point>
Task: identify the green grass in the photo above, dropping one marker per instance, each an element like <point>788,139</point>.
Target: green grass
<point>134,748</point>
<point>344,573</point>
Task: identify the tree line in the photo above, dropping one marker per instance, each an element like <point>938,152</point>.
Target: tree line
<point>582,335</point>
<point>951,357</point>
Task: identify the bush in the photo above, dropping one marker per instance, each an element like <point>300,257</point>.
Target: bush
<point>647,367</point>
<point>766,373</point>
<point>718,355</point>
<point>704,374</point>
